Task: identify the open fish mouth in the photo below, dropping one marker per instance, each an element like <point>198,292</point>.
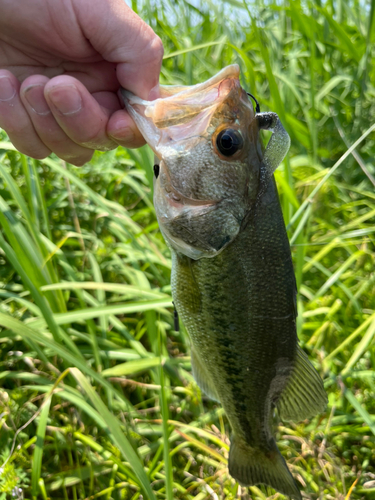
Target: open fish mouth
<point>172,194</point>
<point>182,113</point>
<point>176,214</point>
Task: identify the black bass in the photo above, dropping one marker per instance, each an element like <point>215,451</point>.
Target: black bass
<point>232,276</point>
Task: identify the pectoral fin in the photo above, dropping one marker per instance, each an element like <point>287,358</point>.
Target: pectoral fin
<point>304,396</point>
<point>202,376</point>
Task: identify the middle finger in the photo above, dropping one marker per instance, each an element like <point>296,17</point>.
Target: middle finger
<point>78,113</point>
<point>45,124</point>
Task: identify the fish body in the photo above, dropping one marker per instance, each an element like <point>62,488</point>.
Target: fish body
<point>232,275</point>
<point>239,310</point>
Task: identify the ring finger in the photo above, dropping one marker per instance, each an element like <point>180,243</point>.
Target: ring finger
<point>15,120</point>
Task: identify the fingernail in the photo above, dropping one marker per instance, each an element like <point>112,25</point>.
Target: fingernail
<point>154,93</point>
<point>34,95</point>
<point>66,99</point>
<point>7,90</point>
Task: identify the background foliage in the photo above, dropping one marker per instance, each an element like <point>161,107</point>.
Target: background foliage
<point>95,385</point>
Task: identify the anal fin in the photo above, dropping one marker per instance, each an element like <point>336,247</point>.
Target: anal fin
<point>202,376</point>
<point>304,396</point>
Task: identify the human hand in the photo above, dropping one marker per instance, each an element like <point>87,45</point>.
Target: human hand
<point>71,57</point>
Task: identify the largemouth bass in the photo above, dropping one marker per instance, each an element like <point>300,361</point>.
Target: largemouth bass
<point>232,276</point>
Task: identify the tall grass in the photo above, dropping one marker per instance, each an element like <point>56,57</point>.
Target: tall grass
<point>96,394</point>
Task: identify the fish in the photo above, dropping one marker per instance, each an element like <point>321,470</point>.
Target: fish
<point>233,283</point>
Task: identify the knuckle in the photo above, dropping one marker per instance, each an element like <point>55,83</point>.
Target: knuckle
<point>157,48</point>
<point>152,46</point>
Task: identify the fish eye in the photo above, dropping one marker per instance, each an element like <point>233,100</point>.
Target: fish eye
<point>229,141</point>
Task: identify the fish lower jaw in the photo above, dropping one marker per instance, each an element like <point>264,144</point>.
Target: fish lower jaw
<point>180,246</point>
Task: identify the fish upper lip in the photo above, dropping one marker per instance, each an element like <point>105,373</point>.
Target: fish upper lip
<point>231,71</point>
<point>183,111</point>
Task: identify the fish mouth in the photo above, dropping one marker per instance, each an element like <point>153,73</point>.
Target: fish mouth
<point>182,113</point>
<point>174,197</point>
<point>176,214</point>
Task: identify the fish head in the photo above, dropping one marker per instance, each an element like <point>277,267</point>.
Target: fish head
<point>206,138</point>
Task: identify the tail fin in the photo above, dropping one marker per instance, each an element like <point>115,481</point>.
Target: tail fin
<point>250,466</point>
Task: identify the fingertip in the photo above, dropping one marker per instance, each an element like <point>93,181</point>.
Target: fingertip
<point>9,86</point>
<point>122,129</point>
<point>34,80</point>
<point>4,73</point>
<point>80,161</point>
<point>157,49</point>
<point>65,99</point>
<point>125,137</point>
<point>32,95</point>
<point>36,150</point>
<point>61,80</point>
<point>154,93</point>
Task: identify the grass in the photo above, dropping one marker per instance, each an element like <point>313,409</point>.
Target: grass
<point>96,394</point>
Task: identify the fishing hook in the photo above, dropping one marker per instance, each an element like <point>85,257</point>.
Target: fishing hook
<point>257,107</point>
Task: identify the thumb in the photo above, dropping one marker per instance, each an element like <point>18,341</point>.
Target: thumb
<point>122,37</point>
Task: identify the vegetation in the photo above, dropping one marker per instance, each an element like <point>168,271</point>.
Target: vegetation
<point>96,394</point>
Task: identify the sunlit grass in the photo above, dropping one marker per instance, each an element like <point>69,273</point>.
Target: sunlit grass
<point>96,394</point>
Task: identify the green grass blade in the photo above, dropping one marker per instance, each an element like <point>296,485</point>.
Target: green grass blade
<point>131,367</point>
<point>38,451</point>
<point>361,348</point>
<point>97,312</point>
<point>350,338</point>
<point>360,410</point>
<point>115,431</point>
<point>25,331</point>
<point>328,175</point>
